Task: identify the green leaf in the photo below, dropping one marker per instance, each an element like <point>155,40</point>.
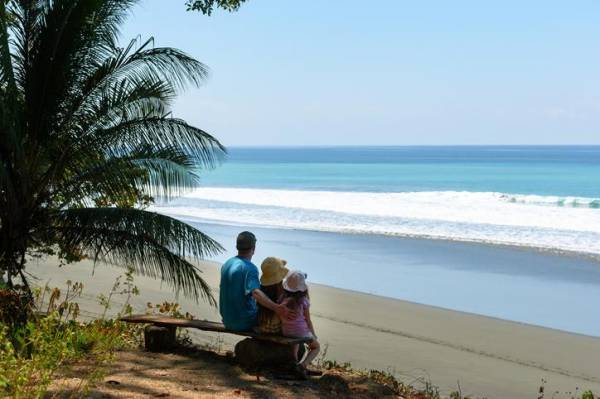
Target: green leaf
<point>152,244</point>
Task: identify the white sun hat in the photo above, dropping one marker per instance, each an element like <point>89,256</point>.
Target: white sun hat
<point>295,281</point>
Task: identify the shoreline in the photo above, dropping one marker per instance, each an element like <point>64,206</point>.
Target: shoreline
<point>490,357</point>
<point>506,283</point>
<point>441,308</point>
<point>376,297</point>
<point>591,256</point>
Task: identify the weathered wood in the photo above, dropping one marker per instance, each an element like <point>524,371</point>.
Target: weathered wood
<point>263,356</point>
<point>159,338</point>
<point>205,325</point>
<point>253,353</point>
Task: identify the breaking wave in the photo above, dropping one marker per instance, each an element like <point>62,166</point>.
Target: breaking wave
<point>550,222</point>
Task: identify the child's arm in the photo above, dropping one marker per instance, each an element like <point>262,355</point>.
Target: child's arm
<point>309,321</point>
<point>284,302</point>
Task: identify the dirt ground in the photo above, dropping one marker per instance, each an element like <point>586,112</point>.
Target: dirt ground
<point>205,374</point>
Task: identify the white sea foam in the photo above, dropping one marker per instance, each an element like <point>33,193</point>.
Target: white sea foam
<point>569,223</point>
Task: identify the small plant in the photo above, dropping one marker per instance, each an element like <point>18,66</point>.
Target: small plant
<point>123,286</point>
<point>431,391</point>
<point>31,355</point>
<point>588,395</point>
<point>542,389</point>
<point>52,340</point>
<point>458,394</point>
<point>387,379</point>
<point>66,307</point>
<point>168,309</point>
<point>334,365</point>
<point>320,360</point>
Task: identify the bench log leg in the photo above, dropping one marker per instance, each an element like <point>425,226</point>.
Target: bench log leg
<point>159,338</point>
<point>254,353</point>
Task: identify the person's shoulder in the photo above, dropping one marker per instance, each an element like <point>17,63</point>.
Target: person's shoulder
<point>305,301</point>
<point>248,262</point>
<point>228,263</point>
<point>231,260</point>
<point>251,266</point>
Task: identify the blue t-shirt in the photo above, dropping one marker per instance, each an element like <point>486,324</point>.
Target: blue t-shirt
<point>239,277</point>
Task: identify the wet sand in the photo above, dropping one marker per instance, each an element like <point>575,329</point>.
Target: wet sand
<point>489,357</point>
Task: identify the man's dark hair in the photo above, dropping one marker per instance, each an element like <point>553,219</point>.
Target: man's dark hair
<point>245,241</point>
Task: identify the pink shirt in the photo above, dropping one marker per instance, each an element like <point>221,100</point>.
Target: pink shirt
<point>297,327</point>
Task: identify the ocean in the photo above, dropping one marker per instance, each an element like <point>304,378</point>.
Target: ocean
<point>504,231</point>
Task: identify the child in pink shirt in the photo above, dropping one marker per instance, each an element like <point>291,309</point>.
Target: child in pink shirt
<point>295,297</point>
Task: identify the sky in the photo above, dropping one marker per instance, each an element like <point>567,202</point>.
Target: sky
<point>350,72</point>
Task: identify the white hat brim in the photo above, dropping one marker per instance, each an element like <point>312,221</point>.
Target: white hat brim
<point>301,287</point>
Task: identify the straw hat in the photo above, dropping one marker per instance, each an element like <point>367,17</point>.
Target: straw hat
<point>295,281</point>
<point>273,271</point>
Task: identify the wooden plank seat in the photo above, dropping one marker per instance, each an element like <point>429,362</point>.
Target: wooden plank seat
<point>204,325</point>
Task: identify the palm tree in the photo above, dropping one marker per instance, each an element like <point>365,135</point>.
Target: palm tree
<point>87,140</point>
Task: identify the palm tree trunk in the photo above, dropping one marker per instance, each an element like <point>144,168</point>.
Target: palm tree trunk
<point>22,272</point>
<point>13,248</point>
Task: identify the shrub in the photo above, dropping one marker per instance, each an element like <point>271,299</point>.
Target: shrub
<point>43,344</point>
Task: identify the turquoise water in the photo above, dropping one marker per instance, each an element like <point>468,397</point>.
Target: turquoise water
<point>539,197</point>
<point>558,171</point>
<point>509,232</point>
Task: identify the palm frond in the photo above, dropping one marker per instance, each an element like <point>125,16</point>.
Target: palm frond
<point>164,172</point>
<point>7,78</point>
<point>166,177</point>
<point>124,100</point>
<point>162,132</point>
<point>127,70</point>
<point>154,245</point>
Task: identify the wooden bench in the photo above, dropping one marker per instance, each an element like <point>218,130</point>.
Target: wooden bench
<point>170,324</point>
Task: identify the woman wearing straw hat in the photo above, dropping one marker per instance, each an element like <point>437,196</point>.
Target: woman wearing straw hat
<point>273,273</point>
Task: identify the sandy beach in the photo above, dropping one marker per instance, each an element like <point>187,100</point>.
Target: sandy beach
<point>489,357</point>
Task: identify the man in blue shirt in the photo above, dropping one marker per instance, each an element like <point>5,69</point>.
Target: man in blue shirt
<point>240,288</point>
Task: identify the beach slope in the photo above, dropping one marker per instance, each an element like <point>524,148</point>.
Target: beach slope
<point>489,357</point>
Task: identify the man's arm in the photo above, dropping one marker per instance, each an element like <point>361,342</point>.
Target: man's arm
<point>282,311</point>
